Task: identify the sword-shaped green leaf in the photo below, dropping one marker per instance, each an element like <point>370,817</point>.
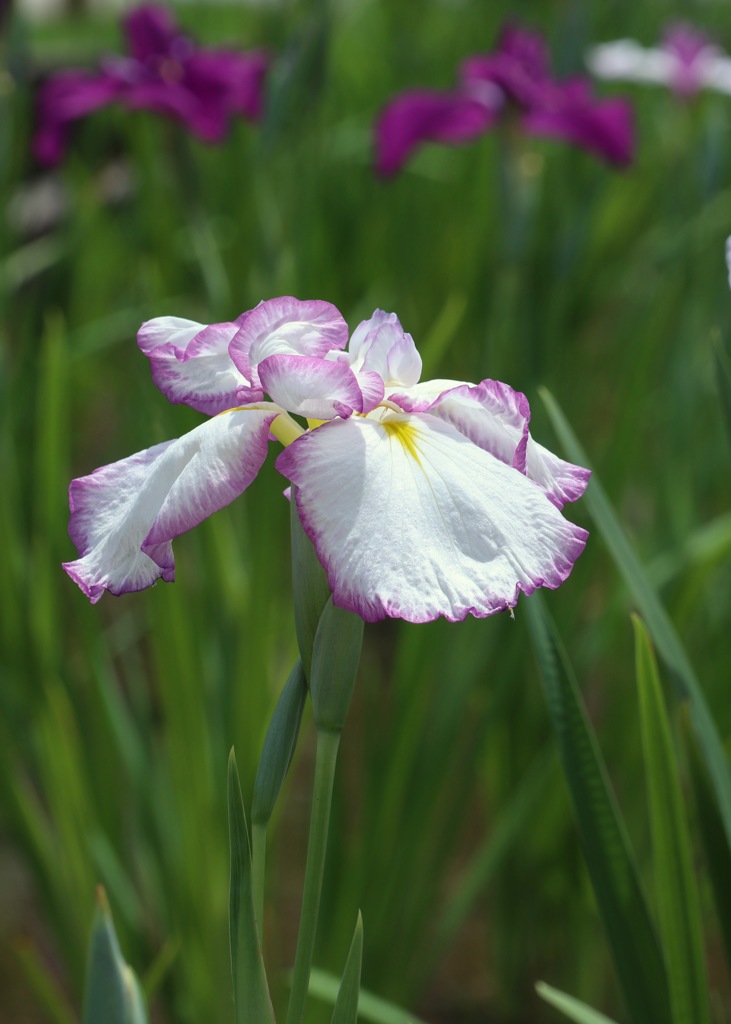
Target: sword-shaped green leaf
<point>713,837</point>
<point>251,991</point>
<point>632,938</point>
<point>662,631</point>
<point>346,1004</point>
<point>572,1008</point>
<point>113,994</point>
<point>675,885</point>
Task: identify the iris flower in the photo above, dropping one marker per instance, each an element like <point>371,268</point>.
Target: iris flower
<point>165,72</point>
<point>685,60</point>
<point>515,76</point>
<point>421,498</point>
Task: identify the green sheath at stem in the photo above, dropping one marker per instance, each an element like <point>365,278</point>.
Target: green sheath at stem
<point>326,756</point>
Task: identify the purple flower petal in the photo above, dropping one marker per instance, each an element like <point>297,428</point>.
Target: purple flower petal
<point>63,99</point>
<point>165,73</point>
<point>519,66</point>
<point>151,33</point>
<point>420,116</point>
<point>604,128</point>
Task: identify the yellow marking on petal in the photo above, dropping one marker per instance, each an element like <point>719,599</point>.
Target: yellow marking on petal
<point>406,434</point>
<point>313,424</point>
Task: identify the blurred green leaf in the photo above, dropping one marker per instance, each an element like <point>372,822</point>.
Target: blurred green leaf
<point>572,1008</point>
<point>251,991</point>
<point>609,857</point>
<point>658,622</point>
<point>675,885</point>
<point>508,830</point>
<point>113,994</point>
<point>45,985</point>
<point>713,837</point>
<point>346,1004</point>
<point>723,381</point>
<point>325,986</point>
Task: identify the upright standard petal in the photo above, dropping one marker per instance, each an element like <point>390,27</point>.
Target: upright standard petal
<point>152,34</point>
<point>286,326</point>
<point>124,516</point>
<point>381,345</point>
<point>412,520</point>
<point>190,363</point>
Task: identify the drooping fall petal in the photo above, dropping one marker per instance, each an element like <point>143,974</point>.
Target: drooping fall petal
<point>410,519</point>
<point>124,515</point>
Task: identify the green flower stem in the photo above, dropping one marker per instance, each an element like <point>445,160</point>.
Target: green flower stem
<point>258,867</point>
<point>326,756</point>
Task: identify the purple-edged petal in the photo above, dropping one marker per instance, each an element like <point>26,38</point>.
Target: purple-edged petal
<point>190,363</point>
<point>490,414</point>
<point>412,520</point>
<point>286,326</point>
<point>562,481</point>
<point>124,516</point>
<point>424,115</point>
<point>310,386</point>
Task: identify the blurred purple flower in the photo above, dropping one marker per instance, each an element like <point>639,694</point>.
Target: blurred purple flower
<point>516,76</point>
<point>685,60</point>
<point>165,72</point>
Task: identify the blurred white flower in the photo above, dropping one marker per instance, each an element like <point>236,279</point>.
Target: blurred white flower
<point>685,60</point>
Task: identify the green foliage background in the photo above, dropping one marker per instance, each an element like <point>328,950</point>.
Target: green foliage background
<point>512,258</point>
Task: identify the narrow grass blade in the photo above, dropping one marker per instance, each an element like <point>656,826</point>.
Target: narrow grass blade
<point>346,1004</point>
<point>675,885</point>
<point>44,985</point>
<point>723,382</point>
<point>325,986</point>
<point>508,830</point>
<point>572,1008</point>
<point>113,994</point>
<point>632,938</point>
<point>251,991</point>
<point>661,629</point>
<point>713,837</point>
